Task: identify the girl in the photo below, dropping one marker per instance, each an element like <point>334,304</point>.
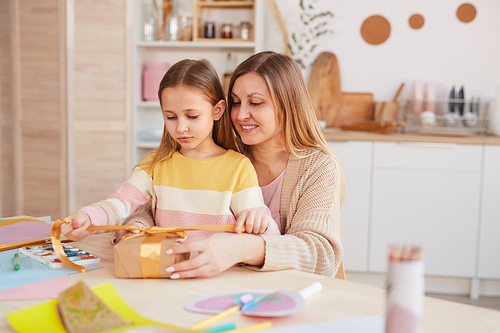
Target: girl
<point>195,176</point>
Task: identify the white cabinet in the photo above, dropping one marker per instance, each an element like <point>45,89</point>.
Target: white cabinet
<point>426,194</point>
<point>147,117</point>
<point>355,158</point>
<point>489,236</point>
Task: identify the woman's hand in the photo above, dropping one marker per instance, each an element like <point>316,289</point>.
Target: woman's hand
<point>76,230</point>
<point>217,253</point>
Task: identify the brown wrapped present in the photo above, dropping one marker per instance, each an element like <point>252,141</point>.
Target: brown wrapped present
<point>144,256</point>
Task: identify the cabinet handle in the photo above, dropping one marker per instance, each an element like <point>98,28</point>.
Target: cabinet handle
<point>429,144</point>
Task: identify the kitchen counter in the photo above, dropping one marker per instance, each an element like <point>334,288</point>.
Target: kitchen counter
<point>334,134</point>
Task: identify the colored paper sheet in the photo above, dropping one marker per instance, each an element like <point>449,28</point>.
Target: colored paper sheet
<point>31,270</point>
<point>45,314</point>
<point>45,289</point>
<point>24,231</point>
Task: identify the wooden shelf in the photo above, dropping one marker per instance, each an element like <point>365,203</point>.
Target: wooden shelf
<point>201,43</point>
<point>226,4</point>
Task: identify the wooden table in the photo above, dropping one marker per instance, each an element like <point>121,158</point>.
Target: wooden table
<point>163,299</point>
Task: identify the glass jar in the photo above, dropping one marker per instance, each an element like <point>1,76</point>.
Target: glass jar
<point>227,30</point>
<point>173,23</point>
<point>185,28</point>
<point>148,31</point>
<point>209,29</point>
<point>246,30</point>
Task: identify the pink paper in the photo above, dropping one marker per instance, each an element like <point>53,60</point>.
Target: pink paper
<point>25,231</point>
<point>49,288</point>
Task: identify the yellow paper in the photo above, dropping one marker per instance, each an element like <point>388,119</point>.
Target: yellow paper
<point>45,315</point>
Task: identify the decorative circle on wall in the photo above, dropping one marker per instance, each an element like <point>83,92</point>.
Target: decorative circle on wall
<point>466,12</point>
<point>416,21</point>
<point>375,30</point>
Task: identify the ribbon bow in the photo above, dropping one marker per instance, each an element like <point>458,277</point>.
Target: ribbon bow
<point>180,231</point>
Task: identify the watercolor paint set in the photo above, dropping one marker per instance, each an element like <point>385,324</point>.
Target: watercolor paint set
<point>47,256</point>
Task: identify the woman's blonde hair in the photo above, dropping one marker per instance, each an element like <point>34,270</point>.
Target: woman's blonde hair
<point>201,76</point>
<point>289,94</point>
<point>296,110</point>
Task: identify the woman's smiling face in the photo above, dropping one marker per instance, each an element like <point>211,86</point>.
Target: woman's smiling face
<point>253,112</point>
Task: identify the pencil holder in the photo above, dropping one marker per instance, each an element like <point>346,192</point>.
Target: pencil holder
<point>405,296</point>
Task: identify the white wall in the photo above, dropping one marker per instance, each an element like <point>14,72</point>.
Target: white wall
<point>445,50</point>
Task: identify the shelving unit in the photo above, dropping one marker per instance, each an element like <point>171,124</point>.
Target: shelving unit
<point>147,115</point>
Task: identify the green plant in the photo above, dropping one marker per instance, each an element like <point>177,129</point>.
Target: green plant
<point>313,26</point>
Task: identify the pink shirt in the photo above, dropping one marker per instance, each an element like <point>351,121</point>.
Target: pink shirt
<point>272,197</point>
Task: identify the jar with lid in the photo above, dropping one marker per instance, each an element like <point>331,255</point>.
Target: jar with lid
<point>151,77</point>
<point>227,30</point>
<point>245,30</point>
<point>209,29</point>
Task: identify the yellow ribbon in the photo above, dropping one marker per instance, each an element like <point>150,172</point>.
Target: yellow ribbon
<point>158,231</point>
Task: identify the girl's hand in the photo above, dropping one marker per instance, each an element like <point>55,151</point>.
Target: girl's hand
<point>121,233</point>
<point>217,253</point>
<point>76,230</point>
<point>255,222</point>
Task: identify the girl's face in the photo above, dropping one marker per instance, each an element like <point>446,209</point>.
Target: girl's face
<point>253,112</point>
<point>189,118</point>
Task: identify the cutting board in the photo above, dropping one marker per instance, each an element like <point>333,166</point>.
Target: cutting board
<point>324,87</point>
<point>355,107</point>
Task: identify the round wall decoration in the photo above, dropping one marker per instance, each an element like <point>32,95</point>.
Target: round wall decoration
<point>466,12</point>
<point>375,30</point>
<point>416,21</point>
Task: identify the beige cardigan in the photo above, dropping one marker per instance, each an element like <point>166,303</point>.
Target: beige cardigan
<point>310,218</point>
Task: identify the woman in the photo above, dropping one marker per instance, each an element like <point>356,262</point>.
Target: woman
<point>302,181</point>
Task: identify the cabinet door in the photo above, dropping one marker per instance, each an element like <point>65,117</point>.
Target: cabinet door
<point>427,205</point>
<point>489,245</point>
<point>355,158</point>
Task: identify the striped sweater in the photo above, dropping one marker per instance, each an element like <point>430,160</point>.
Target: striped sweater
<point>187,192</point>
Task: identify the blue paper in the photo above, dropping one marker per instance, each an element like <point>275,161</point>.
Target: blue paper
<point>31,270</point>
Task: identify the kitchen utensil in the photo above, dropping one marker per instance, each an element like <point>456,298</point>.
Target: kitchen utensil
<point>429,97</point>
<point>450,116</point>
<point>388,110</point>
<point>470,118</point>
<point>324,87</point>
<point>461,101</point>
<point>355,107</point>
<point>418,95</point>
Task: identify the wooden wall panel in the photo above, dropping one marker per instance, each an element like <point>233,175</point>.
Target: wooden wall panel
<point>7,174</point>
<point>42,114</point>
<point>105,171</point>
<point>100,111</point>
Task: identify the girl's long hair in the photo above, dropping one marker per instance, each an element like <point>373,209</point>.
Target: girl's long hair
<point>296,110</point>
<point>200,76</point>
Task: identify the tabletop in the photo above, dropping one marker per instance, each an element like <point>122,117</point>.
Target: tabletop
<point>163,300</point>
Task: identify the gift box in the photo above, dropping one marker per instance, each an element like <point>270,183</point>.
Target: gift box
<point>144,256</point>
